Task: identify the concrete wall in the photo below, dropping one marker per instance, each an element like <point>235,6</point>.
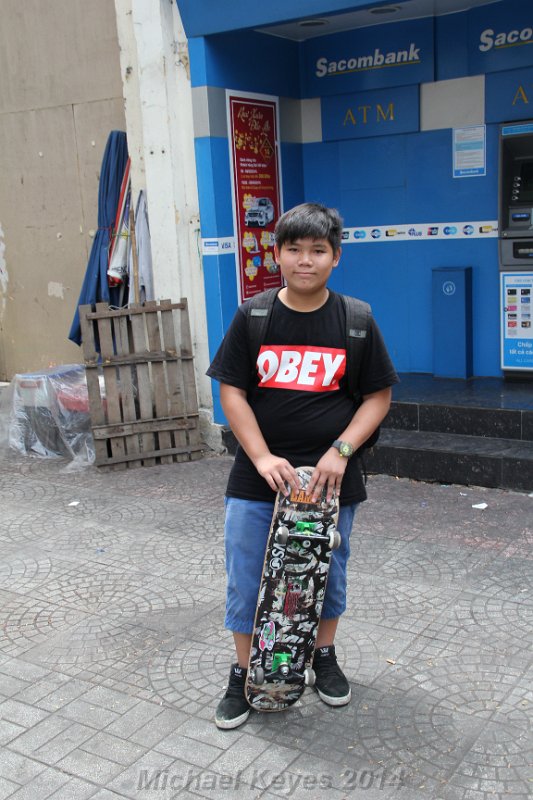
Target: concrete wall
<point>60,95</point>
<point>157,90</point>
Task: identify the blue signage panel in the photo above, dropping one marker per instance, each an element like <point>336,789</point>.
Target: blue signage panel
<point>500,37</point>
<point>379,113</point>
<point>369,58</point>
<point>516,331</point>
<point>203,17</point>
<point>509,95</point>
<point>517,130</point>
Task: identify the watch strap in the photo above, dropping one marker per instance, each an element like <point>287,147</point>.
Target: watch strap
<point>340,445</point>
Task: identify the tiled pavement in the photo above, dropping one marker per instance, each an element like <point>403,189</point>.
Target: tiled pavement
<point>113,653</point>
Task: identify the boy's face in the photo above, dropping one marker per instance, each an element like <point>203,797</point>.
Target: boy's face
<point>306,264</point>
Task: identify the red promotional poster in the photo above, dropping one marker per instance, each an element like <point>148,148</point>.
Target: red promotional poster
<point>253,140</point>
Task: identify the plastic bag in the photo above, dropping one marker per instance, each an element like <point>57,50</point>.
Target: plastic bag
<point>49,414</point>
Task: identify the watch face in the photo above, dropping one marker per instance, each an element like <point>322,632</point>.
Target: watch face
<point>346,449</point>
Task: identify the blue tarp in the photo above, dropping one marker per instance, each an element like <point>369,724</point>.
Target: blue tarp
<point>95,287</point>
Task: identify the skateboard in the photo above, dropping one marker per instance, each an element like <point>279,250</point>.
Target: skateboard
<point>293,585</point>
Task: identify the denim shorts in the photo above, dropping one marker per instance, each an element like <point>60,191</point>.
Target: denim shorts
<point>245,536</point>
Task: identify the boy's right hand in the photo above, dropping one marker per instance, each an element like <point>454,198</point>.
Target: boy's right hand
<point>277,472</point>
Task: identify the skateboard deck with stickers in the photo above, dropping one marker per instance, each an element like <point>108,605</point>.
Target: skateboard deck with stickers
<point>302,536</point>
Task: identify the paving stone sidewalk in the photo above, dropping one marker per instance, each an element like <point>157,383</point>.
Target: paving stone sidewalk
<point>113,652</point>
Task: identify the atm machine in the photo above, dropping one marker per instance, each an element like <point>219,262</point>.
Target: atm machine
<point>516,249</point>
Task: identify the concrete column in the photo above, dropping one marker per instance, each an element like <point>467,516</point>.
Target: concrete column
<point>157,92</point>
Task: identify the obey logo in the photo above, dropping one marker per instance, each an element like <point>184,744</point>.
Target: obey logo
<point>309,369</point>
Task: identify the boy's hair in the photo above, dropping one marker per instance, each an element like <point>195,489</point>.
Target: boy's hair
<point>309,221</point>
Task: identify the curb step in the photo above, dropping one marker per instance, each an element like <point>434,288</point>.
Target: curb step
<point>453,458</point>
<point>477,432</point>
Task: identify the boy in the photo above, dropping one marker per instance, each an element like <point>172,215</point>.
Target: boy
<point>282,421</point>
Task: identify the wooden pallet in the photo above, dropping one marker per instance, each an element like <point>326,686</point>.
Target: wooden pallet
<point>141,385</point>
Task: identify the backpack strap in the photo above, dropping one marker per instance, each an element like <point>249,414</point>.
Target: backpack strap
<point>358,316</point>
<point>258,313</point>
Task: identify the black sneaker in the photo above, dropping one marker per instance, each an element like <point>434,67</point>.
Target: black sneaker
<point>233,709</point>
<point>330,683</point>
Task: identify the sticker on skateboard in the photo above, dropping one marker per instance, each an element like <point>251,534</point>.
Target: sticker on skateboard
<point>302,536</point>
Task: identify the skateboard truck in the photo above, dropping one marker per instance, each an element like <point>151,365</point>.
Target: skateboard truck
<point>302,531</point>
<point>282,670</point>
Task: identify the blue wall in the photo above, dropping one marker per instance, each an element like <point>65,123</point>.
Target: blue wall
<point>249,61</point>
<point>381,180</point>
<point>401,179</point>
<point>213,16</point>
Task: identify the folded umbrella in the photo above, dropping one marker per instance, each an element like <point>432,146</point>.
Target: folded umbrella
<point>95,288</point>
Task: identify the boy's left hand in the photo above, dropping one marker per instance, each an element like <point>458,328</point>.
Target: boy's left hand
<point>328,472</point>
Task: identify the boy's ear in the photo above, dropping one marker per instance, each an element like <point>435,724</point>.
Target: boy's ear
<point>276,254</point>
<point>337,257</point>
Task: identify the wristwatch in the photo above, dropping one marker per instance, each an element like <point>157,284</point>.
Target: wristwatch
<point>345,449</point>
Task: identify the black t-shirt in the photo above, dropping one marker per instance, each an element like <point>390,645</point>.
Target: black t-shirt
<point>298,391</point>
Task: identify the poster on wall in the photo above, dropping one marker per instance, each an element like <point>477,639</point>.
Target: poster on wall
<point>469,152</point>
<point>256,187</point>
<point>516,331</point>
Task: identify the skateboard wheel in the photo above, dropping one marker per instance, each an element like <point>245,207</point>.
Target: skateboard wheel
<point>285,670</point>
<point>335,540</point>
<point>258,676</point>
<point>309,677</point>
<point>282,534</point>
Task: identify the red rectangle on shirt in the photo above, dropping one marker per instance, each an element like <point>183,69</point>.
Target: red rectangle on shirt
<point>301,367</point>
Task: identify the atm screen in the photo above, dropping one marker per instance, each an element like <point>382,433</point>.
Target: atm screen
<point>523,183</point>
<point>526,173</point>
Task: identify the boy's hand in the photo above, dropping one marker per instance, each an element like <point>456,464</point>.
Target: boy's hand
<point>328,472</point>
<point>277,472</point>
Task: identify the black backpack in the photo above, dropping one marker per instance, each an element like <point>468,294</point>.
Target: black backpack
<point>358,316</point>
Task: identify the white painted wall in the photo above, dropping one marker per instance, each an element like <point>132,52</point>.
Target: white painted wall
<point>156,79</point>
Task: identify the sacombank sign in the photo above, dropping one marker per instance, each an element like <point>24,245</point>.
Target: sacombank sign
<point>489,38</point>
<point>377,57</point>
<point>373,60</point>
<point>500,38</point>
